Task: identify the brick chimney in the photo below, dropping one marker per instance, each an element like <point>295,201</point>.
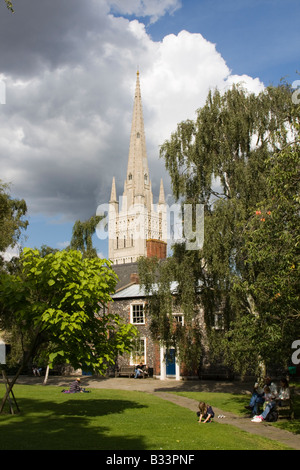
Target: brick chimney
<point>134,278</point>
<point>156,248</point>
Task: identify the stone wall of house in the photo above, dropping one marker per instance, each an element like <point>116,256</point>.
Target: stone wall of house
<point>205,369</point>
<point>122,308</point>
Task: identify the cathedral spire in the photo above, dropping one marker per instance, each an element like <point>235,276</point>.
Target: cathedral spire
<point>161,199</point>
<point>113,195</point>
<point>137,227</point>
<point>137,186</point>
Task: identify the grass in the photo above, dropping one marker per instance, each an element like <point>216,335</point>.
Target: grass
<point>229,402</point>
<point>235,403</point>
<point>114,420</point>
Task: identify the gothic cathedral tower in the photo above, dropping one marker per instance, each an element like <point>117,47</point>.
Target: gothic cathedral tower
<point>137,228</point>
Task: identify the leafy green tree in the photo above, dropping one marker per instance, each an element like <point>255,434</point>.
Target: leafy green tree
<point>223,161</point>
<point>45,250</point>
<point>60,301</point>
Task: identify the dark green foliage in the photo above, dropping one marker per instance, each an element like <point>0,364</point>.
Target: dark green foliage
<point>82,236</point>
<point>236,157</point>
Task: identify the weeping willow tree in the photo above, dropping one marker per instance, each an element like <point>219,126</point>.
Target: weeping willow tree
<point>165,298</point>
<point>223,161</point>
<point>82,236</point>
<point>272,239</point>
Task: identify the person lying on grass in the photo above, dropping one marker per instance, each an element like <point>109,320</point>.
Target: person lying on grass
<point>206,412</point>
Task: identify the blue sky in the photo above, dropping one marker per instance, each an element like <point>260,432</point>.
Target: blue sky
<point>259,38</point>
<point>69,78</point>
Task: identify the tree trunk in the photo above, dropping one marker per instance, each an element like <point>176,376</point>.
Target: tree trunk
<point>261,363</point>
<point>46,375</point>
<point>9,389</point>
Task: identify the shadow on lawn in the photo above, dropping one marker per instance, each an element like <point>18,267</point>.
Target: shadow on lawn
<point>69,425</point>
<point>240,388</point>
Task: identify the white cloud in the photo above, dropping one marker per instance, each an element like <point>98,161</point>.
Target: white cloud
<point>11,252</point>
<point>252,85</point>
<point>62,245</point>
<point>65,126</point>
<point>177,77</point>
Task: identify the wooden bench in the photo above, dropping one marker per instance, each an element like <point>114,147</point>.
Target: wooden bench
<point>286,408</point>
<point>128,371</point>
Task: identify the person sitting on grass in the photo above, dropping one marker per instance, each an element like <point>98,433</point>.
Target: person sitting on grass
<point>75,387</point>
<point>206,412</point>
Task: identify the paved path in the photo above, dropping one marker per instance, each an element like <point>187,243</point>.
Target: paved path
<point>161,388</point>
<point>261,429</point>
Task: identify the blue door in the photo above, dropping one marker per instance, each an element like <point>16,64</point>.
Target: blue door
<point>170,362</point>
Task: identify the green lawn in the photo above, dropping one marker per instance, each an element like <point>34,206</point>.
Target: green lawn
<point>235,403</point>
<point>113,420</point>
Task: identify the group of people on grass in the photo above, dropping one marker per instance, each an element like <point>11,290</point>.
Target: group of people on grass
<point>267,397</point>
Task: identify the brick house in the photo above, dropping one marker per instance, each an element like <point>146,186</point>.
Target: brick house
<point>129,303</point>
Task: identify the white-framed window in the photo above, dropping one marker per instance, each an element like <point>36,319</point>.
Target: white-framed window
<point>138,354</point>
<point>178,318</point>
<point>137,314</point>
<point>218,321</point>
